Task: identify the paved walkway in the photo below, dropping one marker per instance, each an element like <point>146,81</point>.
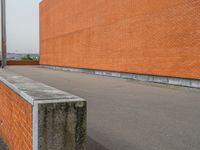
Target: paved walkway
<point>129,115</point>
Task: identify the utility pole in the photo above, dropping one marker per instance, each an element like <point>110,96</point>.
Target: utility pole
<point>3,34</point>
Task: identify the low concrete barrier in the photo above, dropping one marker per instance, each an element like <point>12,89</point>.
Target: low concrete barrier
<point>186,82</point>
<point>34,116</point>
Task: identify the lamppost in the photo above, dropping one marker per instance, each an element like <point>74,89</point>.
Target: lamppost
<point>3,34</point>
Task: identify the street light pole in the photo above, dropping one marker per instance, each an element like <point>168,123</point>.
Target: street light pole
<point>3,34</point>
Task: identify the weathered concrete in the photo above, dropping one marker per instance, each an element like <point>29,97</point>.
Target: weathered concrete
<point>33,91</point>
<point>194,83</point>
<point>59,118</point>
<point>62,126</point>
<point>129,115</point>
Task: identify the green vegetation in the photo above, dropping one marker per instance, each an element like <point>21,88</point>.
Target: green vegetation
<point>27,57</point>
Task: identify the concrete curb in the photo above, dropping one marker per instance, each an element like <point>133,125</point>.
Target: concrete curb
<point>58,117</point>
<point>193,83</point>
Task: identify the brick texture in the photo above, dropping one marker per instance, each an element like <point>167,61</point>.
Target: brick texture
<point>160,37</point>
<point>15,120</point>
<point>22,62</point>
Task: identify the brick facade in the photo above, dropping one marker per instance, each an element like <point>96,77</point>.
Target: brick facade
<point>22,62</point>
<point>15,120</point>
<point>159,37</point>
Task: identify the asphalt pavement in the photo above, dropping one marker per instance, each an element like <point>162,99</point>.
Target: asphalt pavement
<point>129,115</point>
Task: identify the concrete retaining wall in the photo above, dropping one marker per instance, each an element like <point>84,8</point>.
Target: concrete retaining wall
<point>34,116</point>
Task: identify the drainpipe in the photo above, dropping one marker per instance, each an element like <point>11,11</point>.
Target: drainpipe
<point>3,34</point>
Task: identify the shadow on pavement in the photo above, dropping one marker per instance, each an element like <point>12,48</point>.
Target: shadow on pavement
<point>93,145</point>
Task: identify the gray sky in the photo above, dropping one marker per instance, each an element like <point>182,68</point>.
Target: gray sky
<point>22,26</point>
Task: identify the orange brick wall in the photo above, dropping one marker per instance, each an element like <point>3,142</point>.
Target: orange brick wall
<point>15,120</point>
<point>22,62</point>
<point>160,37</point>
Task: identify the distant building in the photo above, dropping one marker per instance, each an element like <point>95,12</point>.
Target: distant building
<point>19,56</point>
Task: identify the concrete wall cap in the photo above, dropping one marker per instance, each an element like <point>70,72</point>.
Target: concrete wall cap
<point>33,91</point>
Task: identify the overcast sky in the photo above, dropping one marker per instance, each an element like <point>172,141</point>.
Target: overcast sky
<point>22,26</point>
